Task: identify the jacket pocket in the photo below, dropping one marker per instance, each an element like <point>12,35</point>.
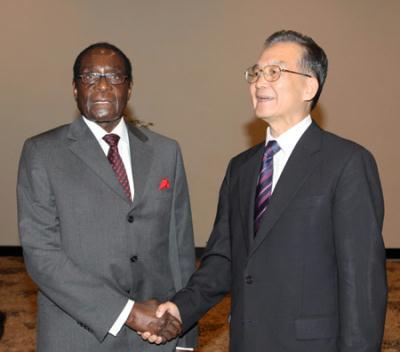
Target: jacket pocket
<point>308,202</point>
<point>316,328</point>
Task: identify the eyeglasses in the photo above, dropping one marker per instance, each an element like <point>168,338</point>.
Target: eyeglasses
<point>271,73</point>
<point>93,77</point>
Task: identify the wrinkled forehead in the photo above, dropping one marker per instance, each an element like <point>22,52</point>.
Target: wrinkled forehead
<point>283,54</point>
<point>102,57</point>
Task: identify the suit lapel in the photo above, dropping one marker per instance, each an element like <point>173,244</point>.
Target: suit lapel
<point>141,158</point>
<point>301,163</point>
<point>85,146</point>
<point>247,190</point>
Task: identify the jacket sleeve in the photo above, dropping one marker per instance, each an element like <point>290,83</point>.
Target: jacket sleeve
<point>357,218</point>
<point>212,280</point>
<point>182,253</point>
<point>93,303</point>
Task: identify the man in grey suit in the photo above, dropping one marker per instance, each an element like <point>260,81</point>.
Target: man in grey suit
<point>297,237</point>
<point>104,220</point>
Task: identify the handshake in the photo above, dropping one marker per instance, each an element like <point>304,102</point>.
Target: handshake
<point>155,322</point>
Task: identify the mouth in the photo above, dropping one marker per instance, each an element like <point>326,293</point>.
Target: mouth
<point>264,98</point>
<point>101,101</point>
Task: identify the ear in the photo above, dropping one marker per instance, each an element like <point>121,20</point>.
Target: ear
<point>74,90</point>
<point>311,88</point>
<point>130,89</point>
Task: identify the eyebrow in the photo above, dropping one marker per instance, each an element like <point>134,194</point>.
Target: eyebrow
<point>274,62</point>
<point>94,69</point>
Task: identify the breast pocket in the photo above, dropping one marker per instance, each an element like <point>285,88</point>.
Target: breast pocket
<point>308,202</point>
<point>164,193</point>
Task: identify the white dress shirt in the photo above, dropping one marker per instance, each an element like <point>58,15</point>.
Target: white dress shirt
<point>123,145</point>
<point>287,141</point>
<point>125,152</point>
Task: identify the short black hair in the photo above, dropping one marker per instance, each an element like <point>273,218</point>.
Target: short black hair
<point>102,45</point>
<point>314,60</point>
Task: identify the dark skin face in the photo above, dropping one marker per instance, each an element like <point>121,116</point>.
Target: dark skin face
<point>102,102</point>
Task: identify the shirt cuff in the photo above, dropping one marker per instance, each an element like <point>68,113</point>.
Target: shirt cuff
<point>121,320</point>
<point>185,348</point>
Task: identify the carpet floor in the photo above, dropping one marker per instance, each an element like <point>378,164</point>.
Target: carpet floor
<point>18,301</point>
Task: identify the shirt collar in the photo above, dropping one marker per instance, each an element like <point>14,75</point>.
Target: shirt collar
<point>121,130</point>
<point>288,140</point>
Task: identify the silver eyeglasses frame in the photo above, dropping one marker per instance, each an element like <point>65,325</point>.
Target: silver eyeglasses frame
<point>252,74</point>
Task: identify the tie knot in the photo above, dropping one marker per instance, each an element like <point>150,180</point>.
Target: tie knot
<point>111,139</point>
<point>271,148</point>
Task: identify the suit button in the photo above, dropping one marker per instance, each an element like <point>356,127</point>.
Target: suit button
<point>134,258</point>
<point>130,218</point>
<point>249,279</point>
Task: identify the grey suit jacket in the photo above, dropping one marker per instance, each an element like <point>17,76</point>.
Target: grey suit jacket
<point>89,248</point>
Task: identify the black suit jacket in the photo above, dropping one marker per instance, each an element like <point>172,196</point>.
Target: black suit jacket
<point>313,279</point>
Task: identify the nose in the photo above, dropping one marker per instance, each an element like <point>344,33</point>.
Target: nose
<point>103,84</point>
<point>261,81</point>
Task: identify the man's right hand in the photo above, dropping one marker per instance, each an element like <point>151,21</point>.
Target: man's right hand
<point>161,327</point>
<point>163,309</point>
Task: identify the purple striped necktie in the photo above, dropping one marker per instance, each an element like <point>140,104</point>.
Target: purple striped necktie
<point>116,162</point>
<point>264,187</point>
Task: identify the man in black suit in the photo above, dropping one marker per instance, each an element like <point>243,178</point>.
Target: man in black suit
<point>297,237</point>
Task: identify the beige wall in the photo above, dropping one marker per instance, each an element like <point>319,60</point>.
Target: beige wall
<point>189,57</point>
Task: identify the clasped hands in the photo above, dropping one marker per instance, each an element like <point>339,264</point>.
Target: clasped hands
<point>155,322</point>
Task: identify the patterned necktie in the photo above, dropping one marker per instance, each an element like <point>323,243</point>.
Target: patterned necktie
<point>264,187</point>
<point>116,162</point>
